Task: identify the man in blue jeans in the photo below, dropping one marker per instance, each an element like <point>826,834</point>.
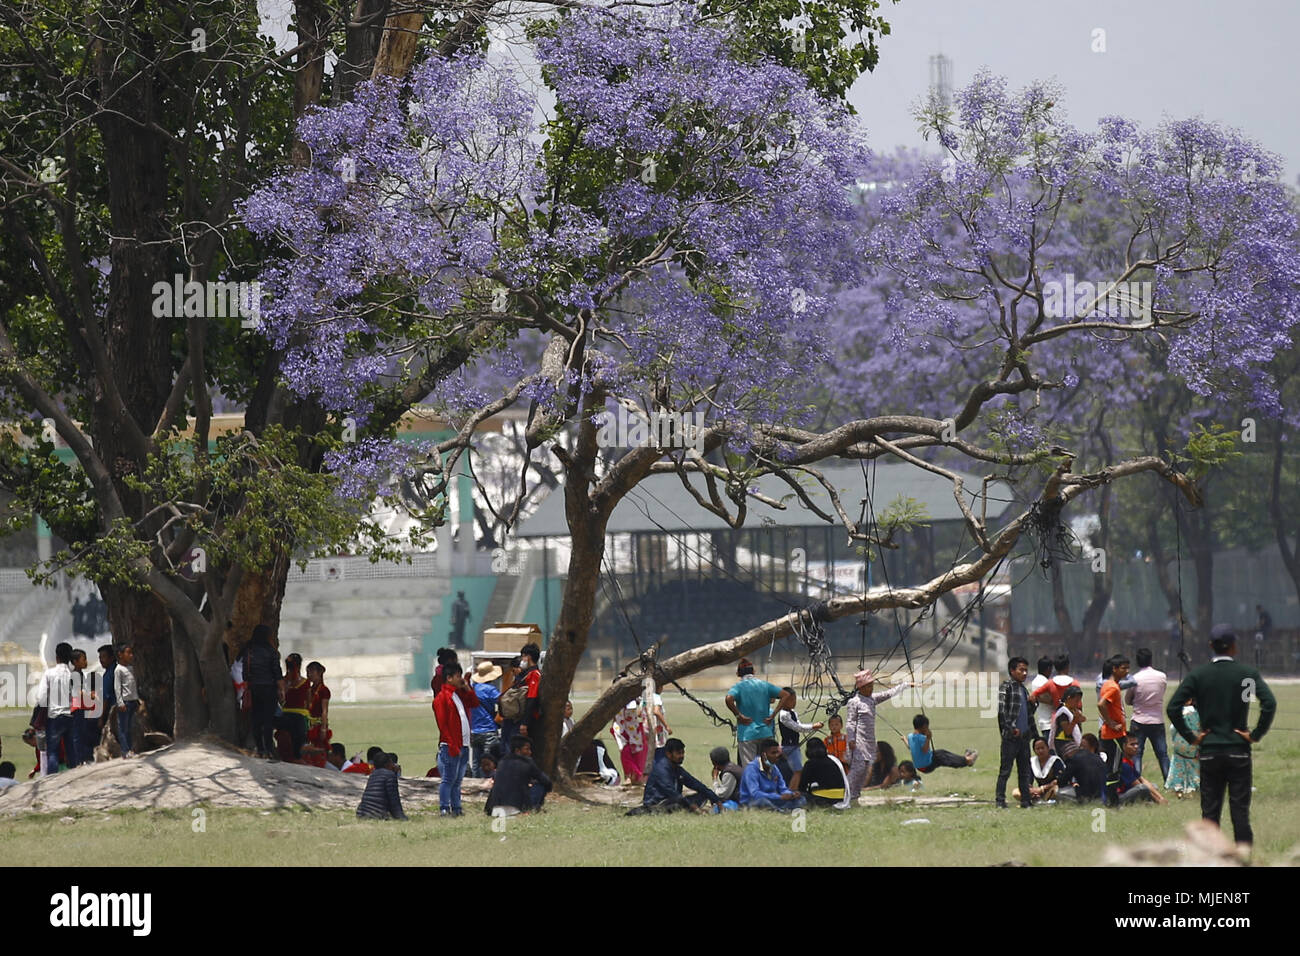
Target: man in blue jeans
<point>1147,695</point>
<point>1014,724</point>
<point>451,708</point>
<point>54,694</point>
<point>484,731</point>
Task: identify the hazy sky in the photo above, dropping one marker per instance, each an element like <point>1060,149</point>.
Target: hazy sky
<point>1233,63</point>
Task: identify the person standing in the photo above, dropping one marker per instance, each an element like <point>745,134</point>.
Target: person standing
<point>318,708</point>
<point>791,727</point>
<point>1148,699</point>
<point>483,722</point>
<point>1110,704</point>
<point>631,731</point>
<point>128,698</point>
<point>108,661</point>
<point>451,708</point>
<point>82,704</point>
<point>1223,690</point>
<point>296,701</point>
<point>1015,726</point>
<point>266,686</point>
<point>1040,696</point>
<point>860,727</point>
<point>54,696</point>
<point>1263,631</point>
<point>459,615</point>
<point>527,682</point>
<point>750,699</point>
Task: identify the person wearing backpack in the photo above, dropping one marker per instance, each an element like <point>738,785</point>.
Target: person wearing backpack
<point>520,706</point>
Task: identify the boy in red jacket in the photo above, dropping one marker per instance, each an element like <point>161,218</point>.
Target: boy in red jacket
<point>452,707</point>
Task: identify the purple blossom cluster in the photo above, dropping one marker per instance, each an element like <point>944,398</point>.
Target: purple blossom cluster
<point>962,250</point>
<point>690,240</point>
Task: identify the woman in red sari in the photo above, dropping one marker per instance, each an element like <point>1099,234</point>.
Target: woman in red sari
<point>318,716</point>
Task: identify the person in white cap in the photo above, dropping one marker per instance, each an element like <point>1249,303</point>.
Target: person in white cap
<point>860,726</point>
<point>483,722</point>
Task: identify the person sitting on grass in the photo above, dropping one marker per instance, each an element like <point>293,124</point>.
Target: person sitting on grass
<point>381,799</point>
<point>823,780</point>
<point>726,777</point>
<point>884,769</point>
<point>1085,773</point>
<point>7,771</point>
<point>663,789</point>
<point>1132,785</point>
<point>367,766</point>
<point>761,785</point>
<point>1046,768</point>
<point>907,775</point>
<point>519,785</point>
<point>336,757</point>
<point>924,757</point>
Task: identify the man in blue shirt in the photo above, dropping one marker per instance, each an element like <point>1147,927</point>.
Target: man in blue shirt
<point>761,785</point>
<point>663,790</point>
<point>924,755</point>
<point>750,699</point>
<point>483,730</point>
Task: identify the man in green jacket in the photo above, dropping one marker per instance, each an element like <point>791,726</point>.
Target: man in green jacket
<point>1222,691</point>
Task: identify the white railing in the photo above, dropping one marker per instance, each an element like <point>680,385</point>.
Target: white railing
<point>423,565</point>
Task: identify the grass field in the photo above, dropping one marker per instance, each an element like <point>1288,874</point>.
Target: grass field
<point>571,834</point>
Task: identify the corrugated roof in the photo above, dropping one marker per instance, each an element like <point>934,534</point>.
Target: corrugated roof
<point>660,502</point>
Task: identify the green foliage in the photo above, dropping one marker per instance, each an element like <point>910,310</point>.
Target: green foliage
<point>1208,449</point>
<point>904,513</point>
<point>836,45</point>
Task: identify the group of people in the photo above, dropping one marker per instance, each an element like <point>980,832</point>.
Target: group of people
<point>773,771</point>
<point>284,711</point>
<point>1041,726</point>
<point>78,709</point>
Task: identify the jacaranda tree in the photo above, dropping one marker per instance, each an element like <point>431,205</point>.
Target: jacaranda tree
<point>674,229</point>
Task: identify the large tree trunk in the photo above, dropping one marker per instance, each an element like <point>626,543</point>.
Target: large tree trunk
<point>192,709</point>
<point>139,352</point>
<point>138,618</point>
<point>569,639</point>
<point>1103,580</point>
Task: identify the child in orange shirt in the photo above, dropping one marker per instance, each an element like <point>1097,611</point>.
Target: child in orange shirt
<point>837,744</point>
